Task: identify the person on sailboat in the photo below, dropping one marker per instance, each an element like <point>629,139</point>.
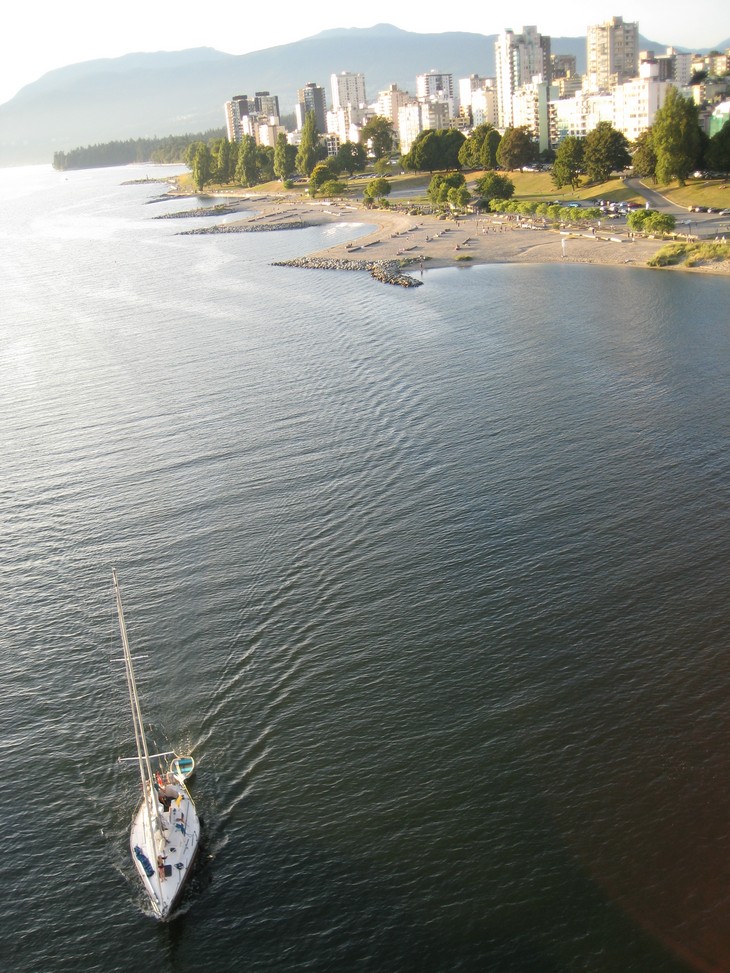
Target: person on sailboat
<point>167,793</point>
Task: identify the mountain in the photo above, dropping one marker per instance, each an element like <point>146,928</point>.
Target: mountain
<point>171,93</point>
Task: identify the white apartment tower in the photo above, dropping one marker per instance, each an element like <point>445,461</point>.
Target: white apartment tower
<point>419,116</point>
<point>612,51</point>
<point>520,59</point>
<point>435,86</point>
<point>390,102</point>
<point>348,90</point>
<point>478,100</point>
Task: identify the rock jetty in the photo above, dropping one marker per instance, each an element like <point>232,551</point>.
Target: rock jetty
<point>245,228</point>
<point>386,271</point>
<point>222,209</point>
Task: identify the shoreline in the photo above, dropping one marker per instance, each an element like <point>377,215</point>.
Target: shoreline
<point>423,242</point>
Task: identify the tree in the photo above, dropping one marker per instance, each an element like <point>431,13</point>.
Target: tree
<point>425,153</point>
<point>441,184</point>
<point>493,186</point>
<point>605,151</point>
<point>200,163</point>
<point>459,197</point>
<point>490,147</point>
<point>378,134</point>
<point>470,151</point>
<point>516,148</point>
<point>307,154</point>
<point>285,156</point>
<point>321,174</point>
<point>718,151</point>
<point>433,150</point>
<point>568,164</point>
<point>377,189</point>
<point>649,221</point>
<point>351,157</point>
<point>265,160</point>
<point>659,223</point>
<point>382,166</point>
<point>333,187</point>
<point>644,157</point>
<point>452,141</point>
<point>221,158</point>
<point>247,168</point>
<point>676,138</point>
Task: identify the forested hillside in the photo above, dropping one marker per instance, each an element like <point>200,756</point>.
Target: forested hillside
<point>161,150</point>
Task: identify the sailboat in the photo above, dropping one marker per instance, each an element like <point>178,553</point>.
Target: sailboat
<point>165,828</point>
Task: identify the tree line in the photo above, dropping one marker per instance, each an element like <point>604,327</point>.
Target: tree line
<point>247,164</point>
<point>169,149</point>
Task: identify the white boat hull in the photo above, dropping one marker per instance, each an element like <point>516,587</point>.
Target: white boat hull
<point>168,852</point>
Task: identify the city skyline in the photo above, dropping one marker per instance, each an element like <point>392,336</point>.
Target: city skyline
<point>79,30</point>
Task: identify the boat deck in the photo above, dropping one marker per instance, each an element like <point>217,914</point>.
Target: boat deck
<point>169,852</point>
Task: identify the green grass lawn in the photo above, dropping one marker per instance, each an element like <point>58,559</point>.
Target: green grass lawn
<point>537,186</point>
<point>697,192</point>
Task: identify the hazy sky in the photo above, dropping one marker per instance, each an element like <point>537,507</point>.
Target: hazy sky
<point>39,36</point>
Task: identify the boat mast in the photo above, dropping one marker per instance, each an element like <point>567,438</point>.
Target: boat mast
<point>145,768</point>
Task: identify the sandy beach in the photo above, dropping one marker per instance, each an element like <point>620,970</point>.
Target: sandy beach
<point>423,242</point>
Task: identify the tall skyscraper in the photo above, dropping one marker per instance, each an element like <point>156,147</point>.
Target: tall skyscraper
<point>236,109</point>
<point>612,51</point>
<point>266,104</point>
<point>348,90</point>
<point>311,98</point>
<point>435,86</point>
<point>390,102</point>
<point>478,99</point>
<point>520,59</point>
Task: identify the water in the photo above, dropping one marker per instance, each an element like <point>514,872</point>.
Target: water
<point>433,584</point>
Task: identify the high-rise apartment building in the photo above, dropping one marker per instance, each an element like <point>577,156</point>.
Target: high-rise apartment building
<point>236,109</point>
<point>257,117</point>
<point>484,105</point>
<point>311,98</point>
<point>435,86</point>
<point>266,104</point>
<point>348,90</point>
<point>478,100</point>
<point>562,66</point>
<point>612,54</point>
<point>533,106</point>
<point>520,59</point>
<point>467,86</point>
<point>390,102</point>
<point>419,116</point>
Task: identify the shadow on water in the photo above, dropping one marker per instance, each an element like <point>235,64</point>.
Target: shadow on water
<point>282,903</point>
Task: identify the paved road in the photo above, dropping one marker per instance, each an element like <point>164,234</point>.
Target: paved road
<point>697,224</point>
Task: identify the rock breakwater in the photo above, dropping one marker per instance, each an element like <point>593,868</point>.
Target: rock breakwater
<point>386,271</point>
<point>222,209</point>
<point>246,228</point>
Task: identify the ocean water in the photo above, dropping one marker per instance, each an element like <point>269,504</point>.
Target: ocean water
<point>432,583</point>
